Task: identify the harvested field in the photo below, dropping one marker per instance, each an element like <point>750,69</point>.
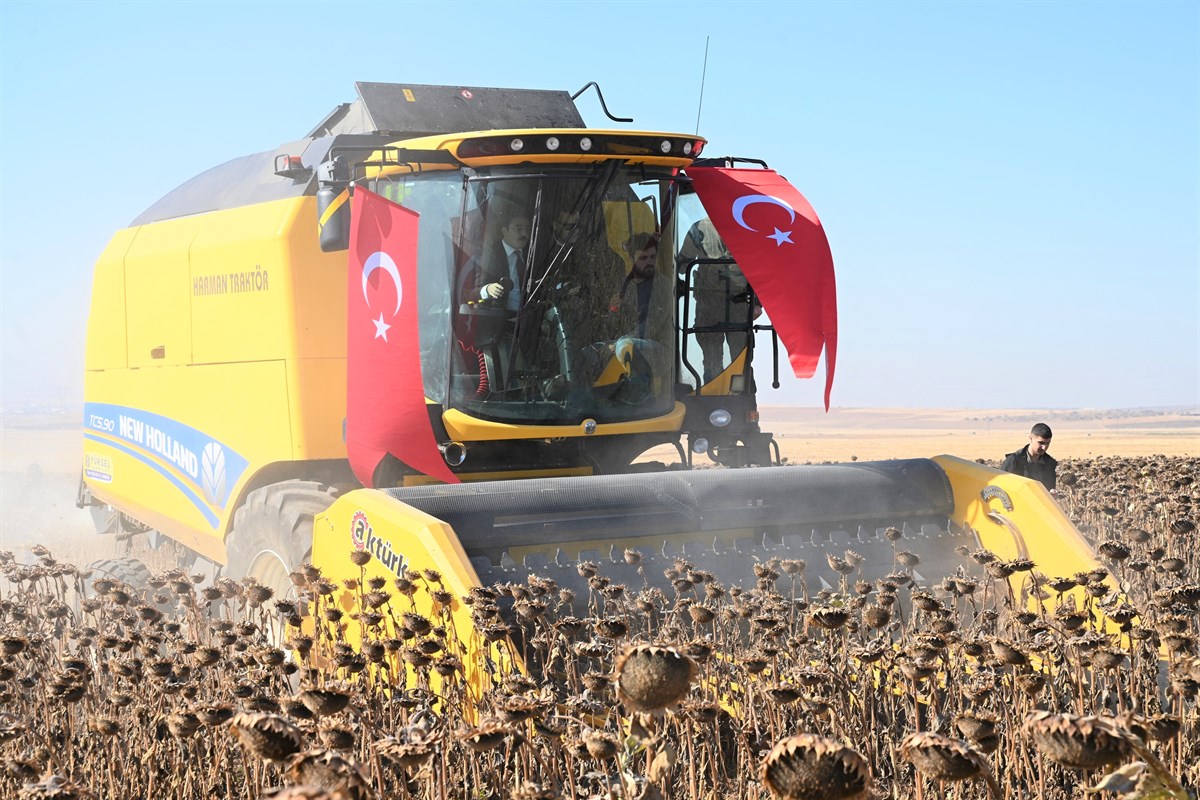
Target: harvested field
<point>178,690</point>
<point>810,435</point>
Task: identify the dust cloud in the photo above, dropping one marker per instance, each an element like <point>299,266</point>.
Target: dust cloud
<point>40,459</point>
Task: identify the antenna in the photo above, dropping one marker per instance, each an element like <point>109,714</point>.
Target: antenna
<point>703,73</point>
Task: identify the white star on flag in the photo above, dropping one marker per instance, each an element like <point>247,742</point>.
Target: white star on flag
<point>381,328</point>
<point>781,236</point>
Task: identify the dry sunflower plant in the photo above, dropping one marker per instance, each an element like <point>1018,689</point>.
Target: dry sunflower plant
<point>974,686</point>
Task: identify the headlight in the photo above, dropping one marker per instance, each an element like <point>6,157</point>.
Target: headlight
<point>720,418</point>
<point>552,143</point>
<point>517,145</point>
<point>665,146</point>
<point>699,445</point>
<point>585,144</point>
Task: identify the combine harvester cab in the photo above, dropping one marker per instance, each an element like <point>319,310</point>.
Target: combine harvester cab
<point>444,326</point>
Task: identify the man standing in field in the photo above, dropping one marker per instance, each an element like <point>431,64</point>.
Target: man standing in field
<point>1032,461</point>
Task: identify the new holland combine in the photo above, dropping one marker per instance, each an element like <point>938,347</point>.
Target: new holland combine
<point>255,356</point>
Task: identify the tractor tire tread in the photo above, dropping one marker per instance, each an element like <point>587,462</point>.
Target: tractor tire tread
<point>279,514</point>
<point>130,571</point>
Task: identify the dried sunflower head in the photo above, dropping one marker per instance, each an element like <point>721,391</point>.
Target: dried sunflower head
<point>811,767</point>
<point>216,714</point>
<point>268,736</point>
<point>183,724</point>
<point>877,616</point>
<point>326,769</point>
<point>324,700</point>
<point>335,737</point>
<point>976,725</point>
<point>783,694</point>
<point>1161,727</point>
<point>701,711</point>
<point>487,735</point>
<point>942,758</point>
<point>651,677</point>
<point>1080,742</point>
<point>830,617</point>
<point>405,755</point>
<point>600,744</point>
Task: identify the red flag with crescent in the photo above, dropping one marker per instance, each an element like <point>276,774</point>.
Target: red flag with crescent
<point>385,396</point>
<point>776,238</point>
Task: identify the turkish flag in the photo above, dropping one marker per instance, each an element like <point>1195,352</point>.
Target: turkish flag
<point>385,395</point>
<point>776,238</point>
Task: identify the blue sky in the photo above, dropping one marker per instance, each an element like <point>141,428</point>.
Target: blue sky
<point>1011,190</point>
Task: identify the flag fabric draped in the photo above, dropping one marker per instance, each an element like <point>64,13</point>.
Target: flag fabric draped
<point>385,396</point>
<point>777,240</point>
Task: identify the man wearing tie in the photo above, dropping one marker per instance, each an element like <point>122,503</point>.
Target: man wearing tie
<point>504,281</point>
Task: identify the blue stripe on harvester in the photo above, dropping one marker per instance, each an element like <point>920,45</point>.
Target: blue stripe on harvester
<point>191,495</point>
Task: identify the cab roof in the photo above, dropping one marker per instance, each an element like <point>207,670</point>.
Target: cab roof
<point>383,112</point>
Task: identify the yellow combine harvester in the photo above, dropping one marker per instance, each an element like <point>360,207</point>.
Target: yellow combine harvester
<point>222,384</point>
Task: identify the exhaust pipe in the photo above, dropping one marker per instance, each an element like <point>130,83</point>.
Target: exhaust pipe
<point>455,453</point>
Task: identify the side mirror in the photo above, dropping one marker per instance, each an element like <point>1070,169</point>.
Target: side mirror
<point>333,218</point>
<point>333,204</point>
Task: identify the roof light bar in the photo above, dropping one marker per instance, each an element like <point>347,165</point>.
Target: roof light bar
<point>617,144</point>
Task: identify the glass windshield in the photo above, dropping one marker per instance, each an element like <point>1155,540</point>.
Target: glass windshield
<point>719,305</point>
<point>546,297</point>
<point>566,296</point>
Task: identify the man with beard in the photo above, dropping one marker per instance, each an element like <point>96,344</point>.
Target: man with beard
<point>1032,461</point>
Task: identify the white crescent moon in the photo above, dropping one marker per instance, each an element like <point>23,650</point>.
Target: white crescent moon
<point>740,205</point>
<point>381,260</point>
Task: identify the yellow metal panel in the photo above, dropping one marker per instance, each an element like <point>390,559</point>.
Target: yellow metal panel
<point>240,285</point>
<point>722,384</point>
<point>263,290</point>
<point>399,537</point>
<point>617,224</point>
<point>464,428</point>
<point>319,286</point>
<point>106,338</point>
<point>1017,518</point>
<point>317,402</point>
<point>317,378</point>
<point>158,294</point>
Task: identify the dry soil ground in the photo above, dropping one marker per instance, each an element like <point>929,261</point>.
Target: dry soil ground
<point>40,456</point>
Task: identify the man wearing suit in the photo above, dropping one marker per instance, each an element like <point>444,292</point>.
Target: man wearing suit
<point>502,278</point>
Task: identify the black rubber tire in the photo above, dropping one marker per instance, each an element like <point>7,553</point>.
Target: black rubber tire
<point>129,571</point>
<point>273,530</point>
